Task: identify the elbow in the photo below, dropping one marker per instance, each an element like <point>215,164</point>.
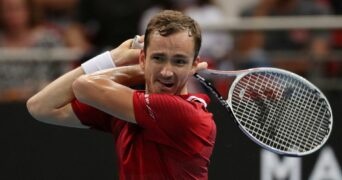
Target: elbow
<point>31,106</point>
<point>35,108</point>
<point>40,109</point>
<point>42,112</point>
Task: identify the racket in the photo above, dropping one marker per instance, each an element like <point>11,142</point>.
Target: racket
<point>279,110</point>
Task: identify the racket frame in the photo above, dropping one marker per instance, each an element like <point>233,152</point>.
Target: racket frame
<point>228,102</point>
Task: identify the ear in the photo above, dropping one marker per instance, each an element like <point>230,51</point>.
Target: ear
<point>142,59</point>
<point>194,65</point>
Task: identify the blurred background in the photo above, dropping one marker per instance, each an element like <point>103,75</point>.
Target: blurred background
<point>42,39</point>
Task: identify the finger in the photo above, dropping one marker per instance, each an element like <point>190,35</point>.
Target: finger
<point>127,44</point>
<point>202,66</point>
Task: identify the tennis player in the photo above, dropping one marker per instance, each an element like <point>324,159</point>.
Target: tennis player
<point>164,132</point>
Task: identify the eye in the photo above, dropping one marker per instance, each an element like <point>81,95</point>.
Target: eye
<point>181,61</point>
<point>158,58</point>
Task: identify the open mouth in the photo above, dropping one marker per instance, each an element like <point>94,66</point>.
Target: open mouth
<point>167,85</point>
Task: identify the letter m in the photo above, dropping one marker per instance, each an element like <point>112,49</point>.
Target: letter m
<point>275,168</point>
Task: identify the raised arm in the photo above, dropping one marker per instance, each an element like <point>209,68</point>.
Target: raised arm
<point>109,90</point>
<point>52,104</point>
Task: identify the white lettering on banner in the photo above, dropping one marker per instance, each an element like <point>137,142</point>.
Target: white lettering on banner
<point>289,168</point>
<point>272,167</point>
<point>327,166</point>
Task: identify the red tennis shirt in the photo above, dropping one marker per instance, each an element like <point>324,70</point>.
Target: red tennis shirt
<point>173,138</point>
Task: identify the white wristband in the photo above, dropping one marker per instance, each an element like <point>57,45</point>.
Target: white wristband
<point>99,62</point>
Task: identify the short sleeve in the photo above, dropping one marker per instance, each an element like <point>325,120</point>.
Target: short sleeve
<point>91,116</point>
<point>172,120</point>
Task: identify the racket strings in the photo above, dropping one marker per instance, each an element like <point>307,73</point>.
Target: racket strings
<point>280,111</point>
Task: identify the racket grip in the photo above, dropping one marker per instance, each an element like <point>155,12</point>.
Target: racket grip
<point>136,44</point>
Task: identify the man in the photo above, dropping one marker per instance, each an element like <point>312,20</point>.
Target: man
<point>161,133</point>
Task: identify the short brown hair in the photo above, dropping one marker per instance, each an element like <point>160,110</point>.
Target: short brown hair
<point>168,22</point>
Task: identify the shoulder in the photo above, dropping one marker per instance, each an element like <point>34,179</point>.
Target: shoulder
<point>173,113</point>
<point>171,106</point>
<point>199,98</point>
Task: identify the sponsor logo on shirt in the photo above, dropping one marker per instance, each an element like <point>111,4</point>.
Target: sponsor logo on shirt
<point>194,98</point>
<point>150,112</point>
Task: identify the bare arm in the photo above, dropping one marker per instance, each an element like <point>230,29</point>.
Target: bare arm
<point>109,90</point>
<point>52,104</point>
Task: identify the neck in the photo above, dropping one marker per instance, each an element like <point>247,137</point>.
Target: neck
<point>184,91</point>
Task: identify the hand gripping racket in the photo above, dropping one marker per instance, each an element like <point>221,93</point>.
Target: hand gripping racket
<point>277,109</point>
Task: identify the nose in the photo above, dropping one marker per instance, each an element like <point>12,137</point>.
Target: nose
<point>167,70</point>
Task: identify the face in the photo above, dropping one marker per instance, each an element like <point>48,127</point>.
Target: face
<point>168,63</point>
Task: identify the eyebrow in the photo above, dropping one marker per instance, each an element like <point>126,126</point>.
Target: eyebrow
<point>174,56</point>
<point>180,56</point>
<point>157,53</point>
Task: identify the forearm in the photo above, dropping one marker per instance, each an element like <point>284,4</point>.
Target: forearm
<point>109,91</point>
<point>52,104</point>
<point>126,75</point>
<point>87,87</point>
<point>57,94</point>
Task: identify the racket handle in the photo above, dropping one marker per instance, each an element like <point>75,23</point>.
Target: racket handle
<point>136,44</point>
